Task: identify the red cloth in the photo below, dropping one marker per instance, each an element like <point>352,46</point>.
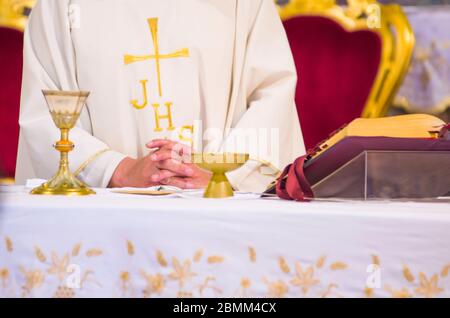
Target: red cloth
<point>336,71</point>
<point>10,86</point>
<point>292,184</point>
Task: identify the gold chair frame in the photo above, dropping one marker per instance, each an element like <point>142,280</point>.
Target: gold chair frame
<point>12,13</point>
<point>388,21</point>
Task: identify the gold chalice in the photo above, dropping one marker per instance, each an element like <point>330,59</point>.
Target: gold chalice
<point>65,108</point>
<point>219,186</point>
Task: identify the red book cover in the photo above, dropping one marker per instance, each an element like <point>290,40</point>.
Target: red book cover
<point>348,148</point>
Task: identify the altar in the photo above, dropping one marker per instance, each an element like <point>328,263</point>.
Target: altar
<point>119,245</point>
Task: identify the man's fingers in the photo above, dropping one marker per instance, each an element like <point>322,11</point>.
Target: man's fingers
<point>183,183</point>
<point>176,167</point>
<point>182,149</point>
<point>158,143</point>
<point>164,154</point>
<point>161,175</point>
<point>178,149</point>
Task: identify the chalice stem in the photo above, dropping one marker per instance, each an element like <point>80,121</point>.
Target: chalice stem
<point>64,134</point>
<point>64,146</point>
<point>64,162</point>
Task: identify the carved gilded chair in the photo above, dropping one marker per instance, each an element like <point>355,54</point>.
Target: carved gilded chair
<point>350,59</point>
<point>13,17</point>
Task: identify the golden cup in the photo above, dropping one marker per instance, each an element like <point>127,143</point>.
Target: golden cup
<point>219,164</point>
<point>65,108</point>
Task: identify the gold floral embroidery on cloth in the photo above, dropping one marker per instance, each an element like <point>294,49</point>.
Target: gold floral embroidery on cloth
<point>182,272</point>
<point>198,275</point>
<point>306,278</point>
<point>56,265</point>
<point>420,285</point>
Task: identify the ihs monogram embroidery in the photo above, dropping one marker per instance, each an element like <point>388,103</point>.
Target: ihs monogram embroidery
<point>157,57</point>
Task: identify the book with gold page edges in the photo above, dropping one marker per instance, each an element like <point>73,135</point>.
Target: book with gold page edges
<point>405,126</point>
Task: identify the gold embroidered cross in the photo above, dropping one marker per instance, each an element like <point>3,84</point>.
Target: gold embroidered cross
<point>128,59</point>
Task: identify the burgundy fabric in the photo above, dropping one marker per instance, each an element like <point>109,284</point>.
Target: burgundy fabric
<point>336,72</point>
<point>11,42</point>
<point>296,180</point>
<point>292,184</point>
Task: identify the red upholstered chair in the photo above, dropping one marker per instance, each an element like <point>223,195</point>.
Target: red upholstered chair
<point>10,83</point>
<point>350,61</point>
<point>13,16</point>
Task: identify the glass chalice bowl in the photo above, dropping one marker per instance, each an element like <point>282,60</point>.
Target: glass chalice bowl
<point>219,164</point>
<point>65,108</point>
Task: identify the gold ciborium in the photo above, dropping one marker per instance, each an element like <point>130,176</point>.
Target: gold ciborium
<point>65,109</point>
<point>219,186</point>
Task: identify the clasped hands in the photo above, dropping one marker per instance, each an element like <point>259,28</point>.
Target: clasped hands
<point>167,164</point>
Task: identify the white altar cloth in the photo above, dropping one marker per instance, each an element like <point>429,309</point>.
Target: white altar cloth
<point>114,245</point>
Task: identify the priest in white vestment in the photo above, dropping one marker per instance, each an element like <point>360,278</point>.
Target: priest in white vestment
<point>157,70</point>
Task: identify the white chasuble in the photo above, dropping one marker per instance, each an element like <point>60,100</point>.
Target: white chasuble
<point>172,69</point>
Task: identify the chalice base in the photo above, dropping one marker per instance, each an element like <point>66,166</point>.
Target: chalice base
<point>219,187</point>
<point>63,184</point>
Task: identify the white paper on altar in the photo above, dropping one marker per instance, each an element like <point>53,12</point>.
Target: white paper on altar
<point>178,192</point>
<point>139,246</point>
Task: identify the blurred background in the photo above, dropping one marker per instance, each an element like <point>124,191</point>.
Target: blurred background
<point>356,58</point>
